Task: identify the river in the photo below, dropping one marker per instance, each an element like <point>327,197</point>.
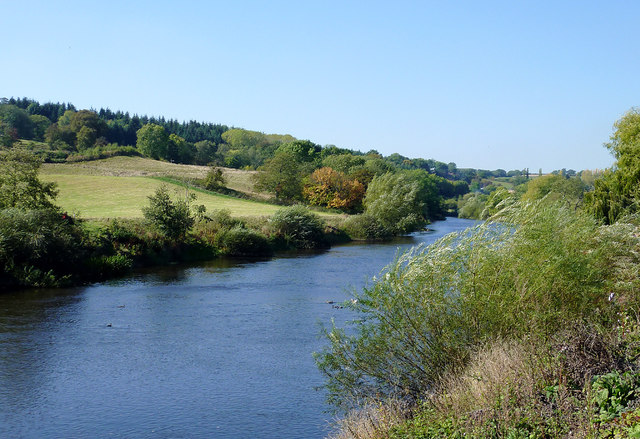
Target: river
<point>215,350</point>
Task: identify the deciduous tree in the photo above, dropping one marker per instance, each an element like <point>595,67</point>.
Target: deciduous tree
<point>153,141</point>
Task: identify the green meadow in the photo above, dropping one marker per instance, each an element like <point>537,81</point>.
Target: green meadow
<point>118,187</point>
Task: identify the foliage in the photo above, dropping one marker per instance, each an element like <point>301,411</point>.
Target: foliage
<point>214,179</point>
<point>333,189</point>
<point>298,226</point>
<point>367,227</point>
<point>282,176</point>
<point>555,187</point>
<point>345,163</point>
<point>153,141</point>
<point>498,200</point>
<point>613,392</point>
<point>172,218</point>
<point>19,182</point>
<point>17,119</point>
<point>394,200</point>
<point>102,152</point>
<point>430,307</point>
<point>617,193</point>
<point>38,247</point>
<point>472,205</point>
<point>179,150</point>
<point>239,241</point>
<point>302,150</point>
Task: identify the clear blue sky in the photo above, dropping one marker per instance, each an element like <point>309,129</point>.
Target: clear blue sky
<point>489,85</point>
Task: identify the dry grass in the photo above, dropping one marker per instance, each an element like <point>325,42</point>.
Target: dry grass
<point>502,367</point>
<point>373,421</point>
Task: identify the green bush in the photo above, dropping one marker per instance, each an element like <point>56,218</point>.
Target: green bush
<point>214,179</point>
<point>172,218</point>
<point>541,267</point>
<point>239,241</point>
<point>298,226</point>
<point>365,226</point>
<point>38,247</point>
<point>397,202</point>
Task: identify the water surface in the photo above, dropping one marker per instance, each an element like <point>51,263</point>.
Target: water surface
<point>217,350</point>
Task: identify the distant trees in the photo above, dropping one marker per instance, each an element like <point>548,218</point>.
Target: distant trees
<point>20,186</point>
<point>153,141</point>
<point>617,192</point>
<point>281,176</point>
<point>17,119</point>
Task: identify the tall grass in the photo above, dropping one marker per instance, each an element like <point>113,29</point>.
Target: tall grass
<point>524,275</point>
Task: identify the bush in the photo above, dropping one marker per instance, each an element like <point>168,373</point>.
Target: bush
<point>298,226</point>
<point>103,152</point>
<point>239,241</point>
<point>543,266</point>
<point>366,227</point>
<point>396,201</point>
<point>214,179</point>
<point>172,218</point>
<point>38,247</point>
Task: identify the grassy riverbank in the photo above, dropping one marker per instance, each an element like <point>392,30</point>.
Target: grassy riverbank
<point>525,331</point>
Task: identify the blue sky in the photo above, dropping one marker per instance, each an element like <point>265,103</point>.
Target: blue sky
<point>489,85</point>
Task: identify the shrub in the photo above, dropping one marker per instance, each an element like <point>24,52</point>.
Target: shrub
<point>239,241</point>
<point>214,179</point>
<point>365,226</point>
<point>543,266</point>
<point>172,218</point>
<point>395,201</point>
<point>298,226</point>
<point>38,247</point>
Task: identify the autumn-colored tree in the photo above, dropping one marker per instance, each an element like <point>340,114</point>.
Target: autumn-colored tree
<point>331,188</point>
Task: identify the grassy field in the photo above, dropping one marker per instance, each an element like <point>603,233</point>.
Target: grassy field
<point>237,180</point>
<point>118,187</point>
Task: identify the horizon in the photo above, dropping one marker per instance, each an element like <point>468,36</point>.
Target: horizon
<point>491,86</point>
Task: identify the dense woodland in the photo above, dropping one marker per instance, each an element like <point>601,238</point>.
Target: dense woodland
<point>526,326</point>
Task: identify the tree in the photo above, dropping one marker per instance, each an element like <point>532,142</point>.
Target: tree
<point>214,179</point>
<point>173,219</point>
<point>205,152</point>
<point>331,188</point>
<point>282,176</point>
<point>18,119</point>
<point>617,192</point>
<point>85,138</point>
<point>432,307</point>
<point>394,199</point>
<point>298,226</point>
<point>179,150</point>
<point>20,186</point>
<point>302,150</point>
<point>153,141</point>
<point>40,125</point>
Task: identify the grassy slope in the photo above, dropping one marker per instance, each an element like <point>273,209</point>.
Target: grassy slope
<point>118,187</point>
<point>142,167</point>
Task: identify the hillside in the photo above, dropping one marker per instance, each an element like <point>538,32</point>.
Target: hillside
<point>118,187</point>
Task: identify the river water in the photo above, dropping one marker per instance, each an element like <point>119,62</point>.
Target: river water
<point>216,350</point>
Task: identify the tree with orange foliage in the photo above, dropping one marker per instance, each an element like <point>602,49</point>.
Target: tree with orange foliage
<point>331,188</point>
